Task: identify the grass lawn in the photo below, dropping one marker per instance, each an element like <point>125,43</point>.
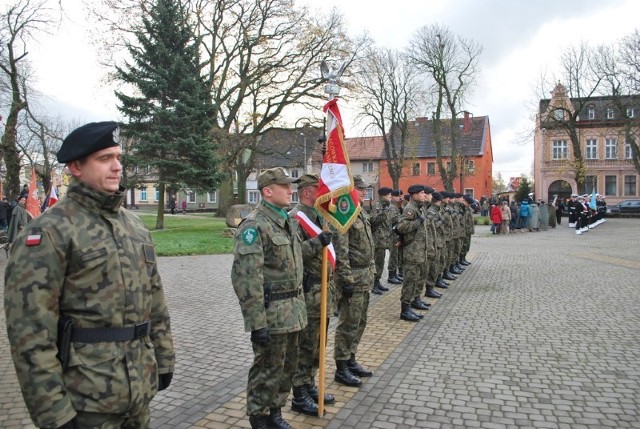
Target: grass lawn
<point>189,235</point>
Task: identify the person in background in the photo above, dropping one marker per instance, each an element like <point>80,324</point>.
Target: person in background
<point>4,211</point>
<point>506,217</point>
<point>19,218</point>
<point>496,218</point>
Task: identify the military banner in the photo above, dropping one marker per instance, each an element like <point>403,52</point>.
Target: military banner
<point>337,200</point>
<point>33,205</point>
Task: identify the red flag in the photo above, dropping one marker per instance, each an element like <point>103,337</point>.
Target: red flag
<point>33,206</point>
<point>337,199</point>
<point>313,230</point>
<point>53,196</point>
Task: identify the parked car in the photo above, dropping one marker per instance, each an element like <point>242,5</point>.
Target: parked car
<point>626,206</point>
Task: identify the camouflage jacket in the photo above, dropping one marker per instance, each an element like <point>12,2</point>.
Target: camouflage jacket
<point>267,264</point>
<point>383,216</point>
<point>435,211</point>
<point>414,233</point>
<point>91,260</point>
<point>447,216</point>
<point>355,265</point>
<point>432,233</point>
<point>470,227</point>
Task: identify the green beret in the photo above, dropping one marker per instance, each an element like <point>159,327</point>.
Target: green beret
<point>88,139</point>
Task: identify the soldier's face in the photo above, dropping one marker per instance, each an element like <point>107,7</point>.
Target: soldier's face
<point>427,198</point>
<point>361,192</point>
<point>385,197</point>
<point>101,170</point>
<point>278,195</point>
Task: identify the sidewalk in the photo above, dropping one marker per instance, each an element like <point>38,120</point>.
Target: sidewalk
<point>542,330</point>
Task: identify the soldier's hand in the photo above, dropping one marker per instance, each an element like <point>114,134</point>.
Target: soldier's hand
<point>421,219</point>
<point>71,424</point>
<point>164,380</point>
<point>260,337</point>
<point>347,291</point>
<point>325,238</point>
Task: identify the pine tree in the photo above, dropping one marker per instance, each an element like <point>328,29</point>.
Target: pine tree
<point>522,193</point>
<point>170,113</point>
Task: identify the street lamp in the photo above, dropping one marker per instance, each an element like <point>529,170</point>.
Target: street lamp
<point>306,160</point>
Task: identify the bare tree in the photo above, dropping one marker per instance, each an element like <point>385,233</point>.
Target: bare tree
<point>578,72</point>
<point>19,25</point>
<point>390,95</point>
<point>619,68</point>
<point>262,61</point>
<point>451,63</point>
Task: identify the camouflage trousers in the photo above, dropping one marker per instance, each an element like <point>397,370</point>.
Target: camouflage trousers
<point>113,421</point>
<point>414,280</point>
<point>271,373</point>
<point>352,320</point>
<point>309,339</point>
<point>433,264</point>
<point>394,262</point>
<point>379,256</point>
<point>466,246</point>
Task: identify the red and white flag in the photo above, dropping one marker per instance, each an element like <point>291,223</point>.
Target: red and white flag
<point>313,230</point>
<point>33,205</point>
<point>53,196</point>
<point>337,200</point>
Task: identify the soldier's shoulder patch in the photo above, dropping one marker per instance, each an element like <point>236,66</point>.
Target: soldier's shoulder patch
<point>409,213</point>
<point>34,239</point>
<point>249,236</point>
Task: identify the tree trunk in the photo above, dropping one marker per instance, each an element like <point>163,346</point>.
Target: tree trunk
<point>10,151</point>
<point>160,215</point>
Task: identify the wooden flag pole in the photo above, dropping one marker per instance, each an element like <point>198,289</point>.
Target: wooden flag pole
<point>323,331</point>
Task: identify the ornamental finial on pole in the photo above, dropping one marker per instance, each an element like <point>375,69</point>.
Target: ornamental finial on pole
<point>332,75</point>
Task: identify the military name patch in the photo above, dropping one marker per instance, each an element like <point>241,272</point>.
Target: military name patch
<point>34,239</point>
<point>249,236</point>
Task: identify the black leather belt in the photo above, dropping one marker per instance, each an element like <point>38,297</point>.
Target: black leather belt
<point>285,295</point>
<point>110,335</point>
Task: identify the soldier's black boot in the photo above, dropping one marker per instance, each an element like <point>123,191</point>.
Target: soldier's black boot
<point>276,421</point>
<point>357,369</point>
<point>407,314</point>
<point>312,389</point>
<point>458,266</point>
<point>344,376</point>
<point>454,270</point>
<point>399,275</point>
<point>418,304</point>
<point>440,283</point>
<point>376,287</point>
<point>302,402</point>
<point>431,293</point>
<point>448,276</point>
<point>463,261</point>
<point>258,422</point>
<point>379,285</point>
<point>393,279</point>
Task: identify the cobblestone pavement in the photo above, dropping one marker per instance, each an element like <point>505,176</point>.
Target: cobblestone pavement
<point>542,330</point>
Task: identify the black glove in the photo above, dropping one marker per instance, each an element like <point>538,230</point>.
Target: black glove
<point>260,337</point>
<point>164,380</point>
<point>325,238</point>
<point>421,219</point>
<point>347,291</point>
<point>71,424</point>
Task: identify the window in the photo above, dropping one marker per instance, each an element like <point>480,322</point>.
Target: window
<point>591,112</point>
<point>367,167</point>
<point>294,197</point>
<point>611,149</point>
<point>630,185</point>
<point>253,197</point>
<point>191,197</point>
<point>368,195</point>
<point>610,185</point>
<point>591,151</point>
<point>628,151</point>
<point>631,112</point>
<point>469,191</point>
<point>558,114</point>
<point>449,166</point>
<point>157,195</point>
<point>431,168</point>
<point>471,167</point>
<point>415,169</point>
<point>212,196</point>
<point>609,113</point>
<point>143,194</point>
<point>590,183</point>
<point>560,149</point>
<point>294,173</point>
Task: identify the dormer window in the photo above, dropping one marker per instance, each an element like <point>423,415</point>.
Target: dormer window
<point>591,112</point>
<point>609,113</point>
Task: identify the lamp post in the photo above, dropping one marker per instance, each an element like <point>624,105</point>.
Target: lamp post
<point>306,160</point>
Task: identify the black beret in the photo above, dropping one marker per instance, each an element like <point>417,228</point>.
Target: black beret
<point>396,193</point>
<point>407,197</point>
<point>384,191</point>
<point>428,189</point>
<point>414,189</point>
<point>437,196</point>
<point>469,199</point>
<point>88,139</point>
<point>457,195</point>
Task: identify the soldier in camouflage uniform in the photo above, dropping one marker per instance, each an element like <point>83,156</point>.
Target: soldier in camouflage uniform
<point>382,218</point>
<point>395,255</point>
<point>305,392</point>
<point>267,278</point>
<point>470,229</point>
<point>355,270</point>
<point>434,223</point>
<point>414,238</point>
<point>447,214</point>
<point>86,314</point>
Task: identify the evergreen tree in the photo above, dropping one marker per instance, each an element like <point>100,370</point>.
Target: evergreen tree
<point>170,113</point>
<point>522,193</point>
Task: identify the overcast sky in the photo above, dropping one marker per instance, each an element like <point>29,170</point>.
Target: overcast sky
<point>520,39</point>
